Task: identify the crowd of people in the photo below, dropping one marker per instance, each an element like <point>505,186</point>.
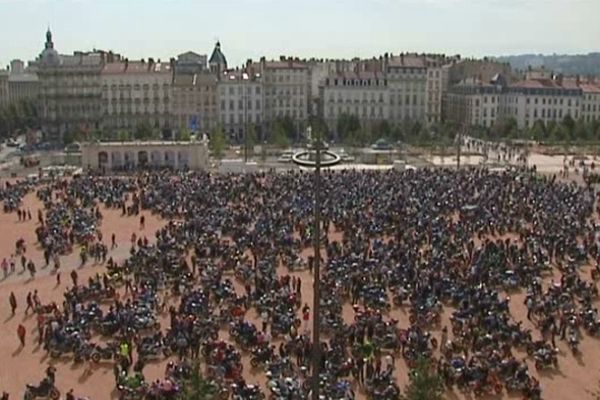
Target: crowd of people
<point>224,273</point>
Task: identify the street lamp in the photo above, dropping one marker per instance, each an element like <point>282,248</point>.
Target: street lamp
<point>313,158</point>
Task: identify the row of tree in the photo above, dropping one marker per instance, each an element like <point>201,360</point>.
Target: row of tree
<point>424,384</point>
<point>567,130</point>
<point>18,117</point>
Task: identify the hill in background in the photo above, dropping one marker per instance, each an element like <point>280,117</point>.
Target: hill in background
<point>579,64</point>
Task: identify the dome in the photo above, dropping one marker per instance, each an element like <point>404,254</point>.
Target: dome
<point>49,55</point>
<point>217,56</point>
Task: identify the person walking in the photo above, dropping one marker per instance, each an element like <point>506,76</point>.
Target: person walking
<point>21,334</point>
<point>13,303</point>
<point>29,303</point>
<point>74,277</point>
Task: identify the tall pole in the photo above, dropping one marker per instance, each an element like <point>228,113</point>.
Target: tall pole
<point>245,100</point>
<point>316,356</point>
<point>458,148</point>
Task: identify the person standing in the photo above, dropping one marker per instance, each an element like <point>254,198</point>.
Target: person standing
<point>13,302</point>
<point>21,334</point>
<point>113,241</point>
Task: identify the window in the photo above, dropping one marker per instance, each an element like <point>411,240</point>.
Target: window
<point>231,105</point>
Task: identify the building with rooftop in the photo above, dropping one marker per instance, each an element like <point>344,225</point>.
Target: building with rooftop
<point>546,99</point>
<point>23,83</point>
<point>364,95</point>
<point>286,86</point>
<point>194,103</point>
<point>240,103</point>
<point>119,156</point>
<point>473,102</point>
<point>70,92</point>
<point>137,92</point>
<point>217,62</point>
<point>590,101</point>
<point>3,88</point>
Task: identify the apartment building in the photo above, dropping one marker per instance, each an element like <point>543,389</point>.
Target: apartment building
<point>240,102</point>
<point>540,99</point>
<point>3,88</point>
<point>286,88</point>
<point>195,101</point>
<point>473,102</point>
<point>590,101</point>
<point>23,83</point>
<point>364,95</point>
<point>136,92</point>
<point>70,91</point>
<point>407,84</point>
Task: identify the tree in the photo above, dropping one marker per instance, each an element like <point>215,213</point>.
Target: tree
<point>279,137</point>
<point>538,130</point>
<point>382,129</point>
<point>199,388</point>
<point>218,143</point>
<point>144,131</point>
<point>347,127</point>
<point>568,123</point>
<point>424,382</point>
<point>123,136</point>
<point>581,131</point>
<point>250,136</point>
<point>183,135</point>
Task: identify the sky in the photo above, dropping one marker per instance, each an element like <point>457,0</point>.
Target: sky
<point>305,28</point>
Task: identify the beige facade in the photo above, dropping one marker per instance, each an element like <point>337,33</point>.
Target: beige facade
<point>364,95</point>
<point>540,99</point>
<point>3,88</point>
<point>590,102</point>
<point>434,92</point>
<point>473,103</point>
<point>407,83</point>
<point>70,94</point>
<point>240,102</point>
<point>136,92</point>
<point>195,101</point>
<point>130,155</point>
<point>23,86</point>
<point>481,104</point>
<point>286,88</point>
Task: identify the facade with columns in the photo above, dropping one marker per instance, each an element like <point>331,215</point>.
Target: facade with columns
<point>115,156</point>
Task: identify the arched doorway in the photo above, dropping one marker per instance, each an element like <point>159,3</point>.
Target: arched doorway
<point>169,159</point>
<point>143,158</point>
<point>128,157</point>
<point>102,159</point>
<point>155,158</point>
<point>116,160</point>
<point>183,159</point>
